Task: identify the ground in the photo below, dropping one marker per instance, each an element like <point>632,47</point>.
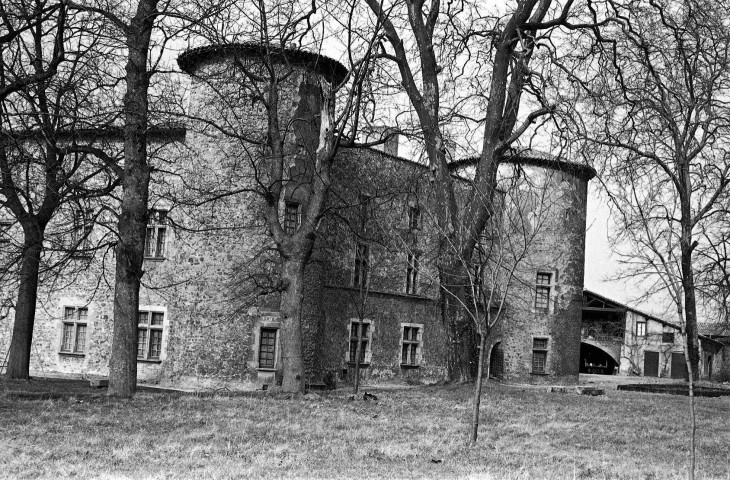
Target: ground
<point>417,432</point>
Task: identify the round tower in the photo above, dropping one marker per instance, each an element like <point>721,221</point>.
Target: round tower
<point>538,338</point>
<point>231,94</point>
<point>226,254</point>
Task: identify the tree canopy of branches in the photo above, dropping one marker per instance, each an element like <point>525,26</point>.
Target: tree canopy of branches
<point>50,92</point>
<point>652,85</point>
<point>437,48</point>
<point>285,154</point>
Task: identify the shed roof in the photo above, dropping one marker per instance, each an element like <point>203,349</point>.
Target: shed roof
<point>646,315</point>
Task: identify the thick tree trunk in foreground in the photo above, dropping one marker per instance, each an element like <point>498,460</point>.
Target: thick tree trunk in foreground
<point>130,255</point>
<point>133,219</point>
<point>20,345</point>
<point>461,352</point>
<point>291,326</point>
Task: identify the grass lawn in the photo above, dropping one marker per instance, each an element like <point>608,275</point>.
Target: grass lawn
<point>414,433</point>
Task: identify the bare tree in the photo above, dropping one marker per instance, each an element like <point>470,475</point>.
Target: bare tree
<point>290,153</point>
<point>44,162</point>
<point>653,86</point>
<point>430,40</point>
<point>501,267</point>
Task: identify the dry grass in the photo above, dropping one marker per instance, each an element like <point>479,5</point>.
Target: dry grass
<point>524,434</point>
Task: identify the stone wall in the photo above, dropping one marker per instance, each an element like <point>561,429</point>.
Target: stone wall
<point>218,257</point>
<point>555,239</point>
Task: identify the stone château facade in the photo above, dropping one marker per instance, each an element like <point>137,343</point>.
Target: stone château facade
<point>208,307</point>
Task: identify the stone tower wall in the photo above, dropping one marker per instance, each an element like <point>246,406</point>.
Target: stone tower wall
<point>557,217</point>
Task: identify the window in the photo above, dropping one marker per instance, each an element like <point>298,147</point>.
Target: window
<point>668,337</point>
<point>478,282</point>
<point>412,274</point>
<point>267,348</point>
<point>149,335</point>
<point>539,355</point>
<point>414,218</point>
<point>156,235</point>
<point>363,338</point>
<point>542,291</point>
<point>292,217</point>
<point>83,223</point>
<point>4,229</point>
<point>640,328</point>
<point>364,201</point>
<point>74,330</point>
<point>362,265</point>
<point>411,344</point>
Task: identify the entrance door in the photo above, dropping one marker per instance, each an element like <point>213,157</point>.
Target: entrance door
<point>651,364</point>
<point>679,366</point>
<point>496,361</point>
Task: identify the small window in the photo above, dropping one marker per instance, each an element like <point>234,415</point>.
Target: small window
<point>668,337</point>
<point>414,218</point>
<point>292,217</point>
<point>156,239</point>
<point>83,223</point>
<point>149,335</point>
<point>412,274</point>
<point>4,231</point>
<point>539,355</point>
<point>477,287</point>
<point>362,265</point>
<point>267,348</point>
<point>411,345</point>
<point>363,337</point>
<point>641,329</point>
<point>74,330</point>
<point>542,291</point>
<point>364,203</point>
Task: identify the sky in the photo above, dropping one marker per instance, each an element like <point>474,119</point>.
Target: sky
<point>601,263</point>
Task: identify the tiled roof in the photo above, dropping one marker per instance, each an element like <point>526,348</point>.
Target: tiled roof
<point>325,66</point>
<point>717,328</point>
<point>535,157</point>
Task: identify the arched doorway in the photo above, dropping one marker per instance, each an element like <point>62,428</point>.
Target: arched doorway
<point>594,359</point>
<point>496,361</point>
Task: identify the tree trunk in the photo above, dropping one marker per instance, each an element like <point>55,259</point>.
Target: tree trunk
<point>19,354</point>
<point>692,415</point>
<point>130,255</point>
<point>358,353</point>
<point>461,351</point>
<point>690,321</point>
<point>133,219</point>
<point>292,274</point>
<point>478,390</point>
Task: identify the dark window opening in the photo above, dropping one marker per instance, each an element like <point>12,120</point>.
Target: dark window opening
<point>292,217</point>
<point>412,274</point>
<point>542,291</point>
<point>83,223</point>
<point>363,339</point>
<point>362,265</point>
<point>156,238</point>
<point>414,218</point>
<point>267,348</point>
<point>539,355</point>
